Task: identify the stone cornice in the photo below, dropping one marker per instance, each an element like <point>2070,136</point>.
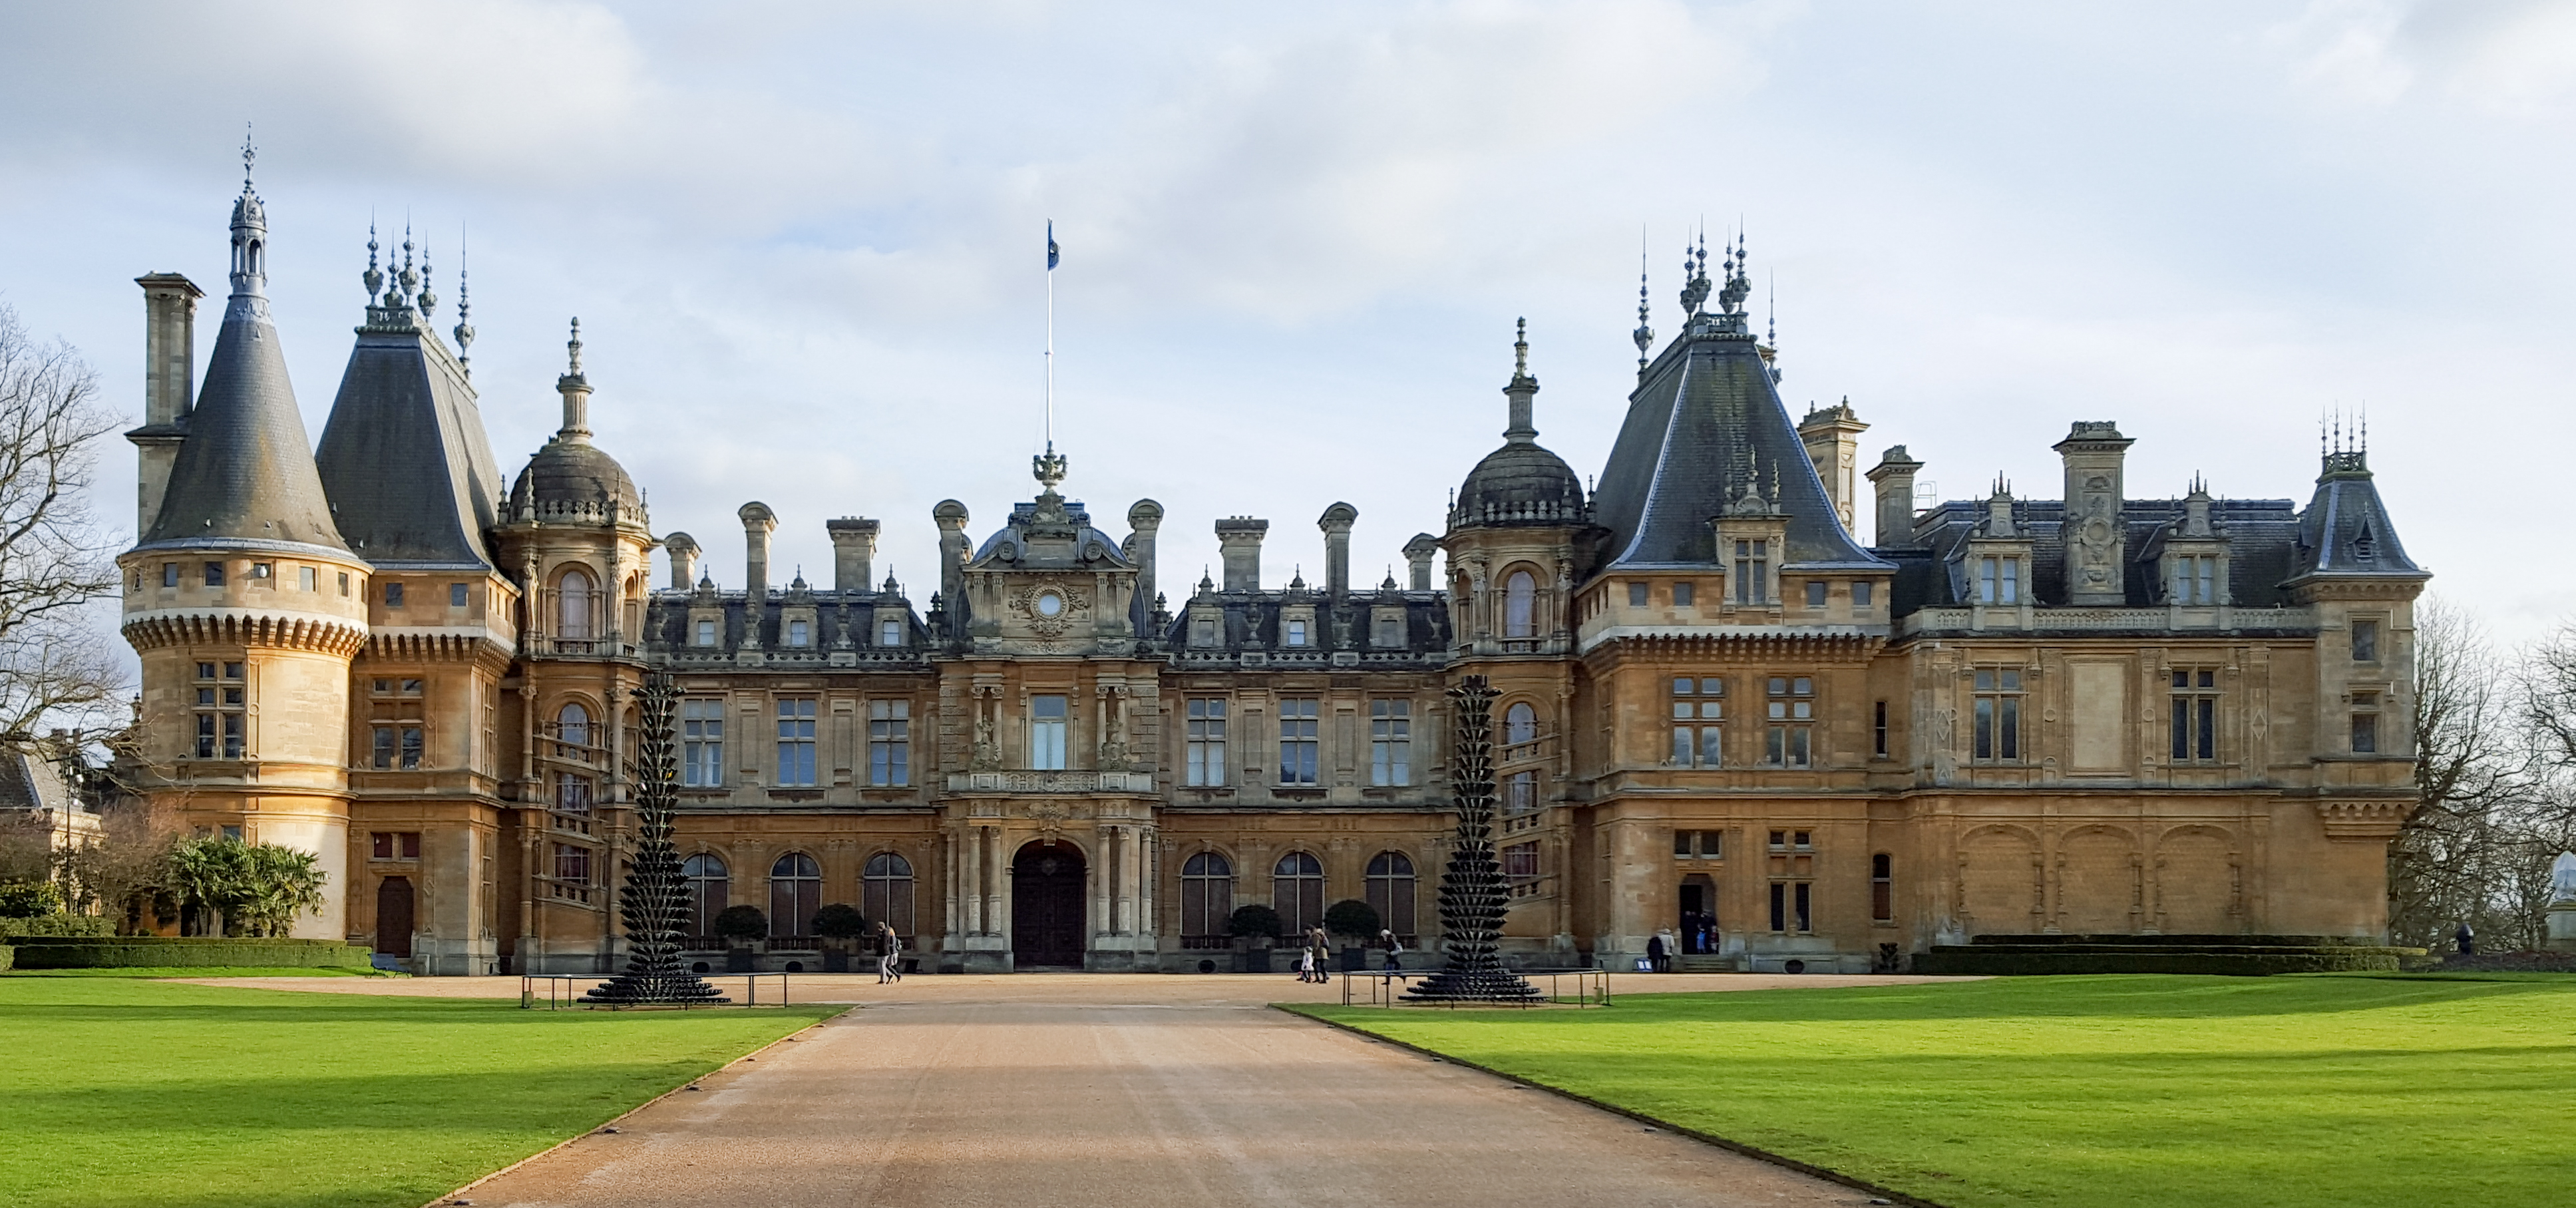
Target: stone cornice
<point>2366,820</point>
<point>245,627</point>
<point>1759,644</point>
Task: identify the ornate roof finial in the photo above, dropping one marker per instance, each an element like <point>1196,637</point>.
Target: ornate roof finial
<point>1645,334</point>
<point>409,277</point>
<point>428,298</point>
<point>373,278</point>
<point>464,331</point>
<point>250,154</point>
<point>1520,347</point>
<point>1048,468</point>
<point>572,349</point>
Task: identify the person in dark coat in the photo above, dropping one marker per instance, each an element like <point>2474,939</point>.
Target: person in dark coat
<point>1658,957</point>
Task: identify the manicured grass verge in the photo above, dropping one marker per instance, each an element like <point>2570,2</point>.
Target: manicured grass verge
<point>2118,1092</point>
<point>157,951</point>
<point>161,1095</point>
<point>203,971</point>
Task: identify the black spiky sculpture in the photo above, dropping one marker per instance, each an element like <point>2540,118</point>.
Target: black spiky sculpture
<point>1472,894</point>
<point>655,899</point>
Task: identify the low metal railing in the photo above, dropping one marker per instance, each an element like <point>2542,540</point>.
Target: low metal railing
<point>565,990</point>
<point>1591,987</point>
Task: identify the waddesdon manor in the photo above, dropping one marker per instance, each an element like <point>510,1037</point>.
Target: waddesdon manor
<point>1723,715</point>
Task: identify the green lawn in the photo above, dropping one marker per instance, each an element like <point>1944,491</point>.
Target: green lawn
<point>139,1093</point>
<point>2123,1092</point>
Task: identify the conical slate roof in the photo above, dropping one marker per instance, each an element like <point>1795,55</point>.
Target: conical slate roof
<point>2345,530</point>
<point>244,473</point>
<point>404,457</point>
<point>1705,423</point>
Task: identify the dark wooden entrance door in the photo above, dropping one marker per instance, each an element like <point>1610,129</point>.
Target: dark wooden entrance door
<point>1046,906</point>
<point>394,918</point>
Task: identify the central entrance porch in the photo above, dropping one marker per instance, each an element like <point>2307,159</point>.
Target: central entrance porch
<point>1047,906</point>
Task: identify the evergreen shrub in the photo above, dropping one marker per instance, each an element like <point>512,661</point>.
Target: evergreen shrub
<point>840,921</point>
<point>1352,918</point>
<point>741,923</point>
<point>57,925</point>
<point>1253,920</point>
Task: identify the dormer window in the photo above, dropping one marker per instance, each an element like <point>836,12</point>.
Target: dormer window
<point>1296,633</point>
<point>1203,631</point>
<point>1752,572</point>
<point>706,633</point>
<point>800,633</point>
<point>2195,579</point>
<point>1998,580</point>
<point>890,633</point>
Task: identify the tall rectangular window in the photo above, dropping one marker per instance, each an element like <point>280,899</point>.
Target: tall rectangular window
<point>1998,580</point>
<point>456,595</point>
<point>702,743</point>
<point>344,582</point>
<point>1699,721</point>
<point>1752,572</point>
<point>706,635</point>
<point>1878,729</point>
<point>572,864</point>
<point>889,743</point>
<point>393,595</point>
<point>1860,596</point>
<point>2195,714</point>
<point>1791,706</point>
<point>890,632</point>
<point>221,701</point>
<point>304,578</point>
<point>1995,731</point>
<point>1046,733</point>
<point>1297,740</point>
<point>1205,738</point>
<point>1882,888</point>
<point>1390,742</point>
<point>1815,593</point>
<point>2365,723</point>
<point>169,574</point>
<point>2365,641</point>
<point>2195,579</point>
<point>796,742</point>
<point>800,633</point>
<point>1520,861</point>
<point>1296,633</point>
<point>1791,903</point>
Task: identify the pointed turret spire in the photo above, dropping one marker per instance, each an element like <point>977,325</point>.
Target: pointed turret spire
<point>245,470</point>
<point>575,389</point>
<point>1522,389</point>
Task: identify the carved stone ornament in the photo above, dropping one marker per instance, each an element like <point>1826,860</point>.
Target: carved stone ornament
<point>1049,609</point>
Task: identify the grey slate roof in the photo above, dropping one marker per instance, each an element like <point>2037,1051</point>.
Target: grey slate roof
<point>2346,530</point>
<point>569,469</point>
<point>1706,417</point>
<point>245,471</point>
<point>2262,550</point>
<point>404,457</point>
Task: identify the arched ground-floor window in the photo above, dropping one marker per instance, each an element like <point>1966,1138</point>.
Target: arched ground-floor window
<point>1207,899</point>
<point>1390,892</point>
<point>1297,892</point>
<point>709,888</point>
<point>885,892</point>
<point>795,893</point>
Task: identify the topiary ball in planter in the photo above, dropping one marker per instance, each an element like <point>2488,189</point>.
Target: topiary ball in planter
<point>840,921</point>
<point>741,923</point>
<point>1254,922</point>
<point>1352,919</point>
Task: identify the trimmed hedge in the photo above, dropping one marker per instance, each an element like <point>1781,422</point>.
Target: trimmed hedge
<point>7,956</point>
<point>154,951</point>
<point>57,925</point>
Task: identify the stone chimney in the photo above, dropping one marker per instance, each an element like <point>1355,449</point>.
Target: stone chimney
<point>1832,437</point>
<point>1893,476</point>
<point>854,552</point>
<point>169,383</point>
<point>1143,521</point>
<point>683,549</point>
<point>2096,541</point>
<point>757,523</point>
<point>1336,523</point>
<point>1238,540</point>
<point>1418,554</point>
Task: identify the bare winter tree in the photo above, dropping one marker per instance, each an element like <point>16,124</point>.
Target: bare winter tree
<point>55,667</point>
<point>2443,867</point>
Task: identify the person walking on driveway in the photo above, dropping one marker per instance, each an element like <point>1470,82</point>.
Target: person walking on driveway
<point>1656,954</point>
<point>889,954</point>
<point>1394,949</point>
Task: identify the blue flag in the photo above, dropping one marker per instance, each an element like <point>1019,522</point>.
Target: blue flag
<point>1051,254</point>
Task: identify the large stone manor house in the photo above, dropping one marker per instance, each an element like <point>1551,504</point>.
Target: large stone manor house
<point>1723,714</point>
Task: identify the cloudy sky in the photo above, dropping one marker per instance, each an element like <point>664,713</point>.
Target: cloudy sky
<point>806,241</point>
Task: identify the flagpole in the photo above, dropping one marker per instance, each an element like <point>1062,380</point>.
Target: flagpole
<point>1050,338</point>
